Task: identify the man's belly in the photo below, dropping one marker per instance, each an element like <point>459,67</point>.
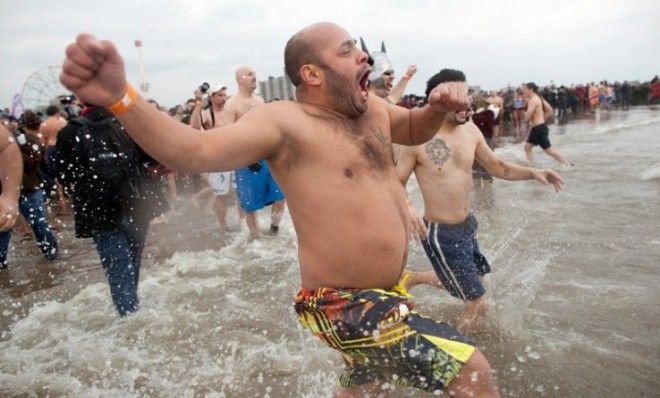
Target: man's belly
<point>443,208</point>
<point>354,254</point>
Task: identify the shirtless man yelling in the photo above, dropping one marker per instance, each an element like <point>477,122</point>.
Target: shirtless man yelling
<point>352,228</point>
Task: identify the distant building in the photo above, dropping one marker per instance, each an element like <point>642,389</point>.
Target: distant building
<point>277,87</point>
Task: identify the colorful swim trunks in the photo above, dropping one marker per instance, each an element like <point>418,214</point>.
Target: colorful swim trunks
<point>381,338</point>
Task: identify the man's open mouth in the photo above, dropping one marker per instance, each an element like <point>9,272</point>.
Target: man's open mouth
<point>364,83</point>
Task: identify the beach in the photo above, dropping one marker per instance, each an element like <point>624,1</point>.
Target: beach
<point>573,289</point>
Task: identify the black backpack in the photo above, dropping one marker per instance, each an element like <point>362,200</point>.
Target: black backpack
<point>110,163</point>
<point>108,175</point>
<point>115,172</point>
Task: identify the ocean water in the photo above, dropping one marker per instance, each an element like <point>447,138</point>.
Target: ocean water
<point>575,304</point>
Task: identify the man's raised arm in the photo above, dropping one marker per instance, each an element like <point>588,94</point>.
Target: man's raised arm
<point>94,71</point>
<point>11,173</point>
<point>397,91</point>
<point>196,113</point>
<point>418,125</point>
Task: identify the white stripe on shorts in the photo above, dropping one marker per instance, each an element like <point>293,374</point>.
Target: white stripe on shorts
<point>444,266</point>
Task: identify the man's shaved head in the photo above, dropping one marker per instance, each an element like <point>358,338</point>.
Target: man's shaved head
<point>304,48</point>
<point>242,71</point>
<point>246,78</point>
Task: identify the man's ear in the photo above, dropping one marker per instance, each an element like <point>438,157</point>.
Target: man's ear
<point>312,74</point>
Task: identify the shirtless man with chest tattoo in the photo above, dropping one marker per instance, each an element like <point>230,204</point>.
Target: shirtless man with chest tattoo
<point>331,154</point>
<point>443,167</point>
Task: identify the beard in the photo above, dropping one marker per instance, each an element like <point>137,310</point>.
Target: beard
<point>461,120</point>
<point>341,94</point>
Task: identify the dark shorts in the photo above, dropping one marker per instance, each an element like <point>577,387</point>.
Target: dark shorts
<point>454,253</point>
<point>256,189</point>
<point>382,339</point>
<point>539,136</point>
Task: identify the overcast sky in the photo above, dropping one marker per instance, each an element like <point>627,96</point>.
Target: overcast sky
<point>188,42</point>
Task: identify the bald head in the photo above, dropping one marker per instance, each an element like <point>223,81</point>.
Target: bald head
<point>246,78</point>
<point>305,47</point>
<point>243,71</point>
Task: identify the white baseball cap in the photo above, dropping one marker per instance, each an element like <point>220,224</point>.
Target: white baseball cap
<point>217,87</point>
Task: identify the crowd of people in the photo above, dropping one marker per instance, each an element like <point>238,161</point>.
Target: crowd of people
<point>117,196</point>
<point>118,162</point>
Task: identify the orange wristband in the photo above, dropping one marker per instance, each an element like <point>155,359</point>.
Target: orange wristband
<point>125,103</point>
<point>407,76</point>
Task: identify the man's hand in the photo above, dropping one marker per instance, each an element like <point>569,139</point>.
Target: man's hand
<point>412,69</point>
<point>418,229</point>
<point>94,71</point>
<point>8,213</point>
<point>547,177</point>
<point>449,97</point>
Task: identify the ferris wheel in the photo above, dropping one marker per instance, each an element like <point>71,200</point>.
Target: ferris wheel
<point>43,88</point>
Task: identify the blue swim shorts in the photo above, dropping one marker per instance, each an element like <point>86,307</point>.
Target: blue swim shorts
<point>454,253</point>
<point>256,187</point>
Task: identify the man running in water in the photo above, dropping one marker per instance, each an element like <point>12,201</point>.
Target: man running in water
<point>330,153</point>
<point>255,185</point>
<point>443,167</point>
<point>538,111</point>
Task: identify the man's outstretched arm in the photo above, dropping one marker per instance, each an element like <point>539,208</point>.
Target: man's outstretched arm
<point>11,173</point>
<point>94,71</point>
<point>418,125</point>
<point>500,168</point>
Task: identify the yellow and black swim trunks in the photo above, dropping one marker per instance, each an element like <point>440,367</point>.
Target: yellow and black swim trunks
<point>381,338</point>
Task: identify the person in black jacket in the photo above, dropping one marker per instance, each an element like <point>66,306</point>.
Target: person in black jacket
<point>113,197</point>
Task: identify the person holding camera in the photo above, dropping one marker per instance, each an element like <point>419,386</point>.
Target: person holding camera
<point>206,119</point>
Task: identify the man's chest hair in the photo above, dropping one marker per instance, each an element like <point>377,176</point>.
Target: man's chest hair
<point>363,141</point>
<point>370,138</point>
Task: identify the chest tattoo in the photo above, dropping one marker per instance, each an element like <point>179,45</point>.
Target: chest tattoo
<point>437,151</point>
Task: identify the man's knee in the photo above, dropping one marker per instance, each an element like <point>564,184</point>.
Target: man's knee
<point>479,305</point>
<point>475,378</point>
